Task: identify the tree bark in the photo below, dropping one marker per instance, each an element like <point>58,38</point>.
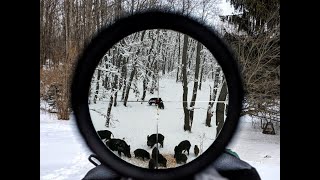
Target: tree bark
<point>118,59</point>
<point>106,83</point>
<point>209,112</point>
<point>154,78</point>
<point>213,94</point>
<point>144,86</point>
<point>178,73</point>
<point>109,111</point>
<point>97,88</point>
<point>201,74</point>
<point>195,83</point>
<point>164,63</point>
<point>129,84</point>
<point>186,126</point>
<point>220,110</point>
<point>42,34</point>
<point>124,78</point>
<point>116,90</point>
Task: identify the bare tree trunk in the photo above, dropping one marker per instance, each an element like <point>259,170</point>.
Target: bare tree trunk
<point>42,34</point>
<point>209,112</point>
<point>118,10</point>
<point>195,83</point>
<point>124,82</point>
<point>84,19</point>
<point>121,74</point>
<point>185,85</point>
<point>164,52</point>
<point>63,104</point>
<point>77,29</point>
<point>118,59</point>
<point>213,94</point>
<point>97,88</point>
<point>144,86</point>
<point>90,20</point>
<point>109,111</point>
<point>186,126</point>
<point>170,62</point>
<point>212,72</point>
<point>129,83</point>
<point>221,107</point>
<point>190,54</point>
<point>201,75</point>
<point>154,78</point>
<point>115,87</point>
<point>164,64</point>
<point>132,6</point>
<point>124,77</point>
<point>178,73</point>
<point>95,16</point>
<point>106,84</point>
<point>172,58</point>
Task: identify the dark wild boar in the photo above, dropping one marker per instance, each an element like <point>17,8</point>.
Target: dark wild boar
<point>155,151</point>
<point>141,153</point>
<point>183,146</point>
<point>196,150</point>
<point>119,145</point>
<point>152,164</point>
<point>152,140</point>
<point>105,134</point>
<point>180,158</point>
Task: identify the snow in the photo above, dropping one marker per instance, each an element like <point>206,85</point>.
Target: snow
<point>138,120</point>
<point>226,7</point>
<point>259,150</point>
<point>64,154</point>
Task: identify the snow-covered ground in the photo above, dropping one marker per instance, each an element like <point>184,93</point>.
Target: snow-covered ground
<point>63,153</point>
<point>259,150</point>
<point>138,120</point>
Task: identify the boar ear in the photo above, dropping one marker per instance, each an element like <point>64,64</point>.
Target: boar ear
<point>148,137</point>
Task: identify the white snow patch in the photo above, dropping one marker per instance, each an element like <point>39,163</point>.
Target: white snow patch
<point>63,153</point>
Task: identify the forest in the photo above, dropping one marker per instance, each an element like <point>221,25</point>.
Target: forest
<point>133,69</point>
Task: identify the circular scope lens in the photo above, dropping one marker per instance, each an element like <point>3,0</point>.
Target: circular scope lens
<point>157,95</point>
<point>154,96</point>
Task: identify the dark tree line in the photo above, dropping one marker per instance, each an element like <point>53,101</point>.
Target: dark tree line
<point>67,26</point>
<point>256,40</point>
